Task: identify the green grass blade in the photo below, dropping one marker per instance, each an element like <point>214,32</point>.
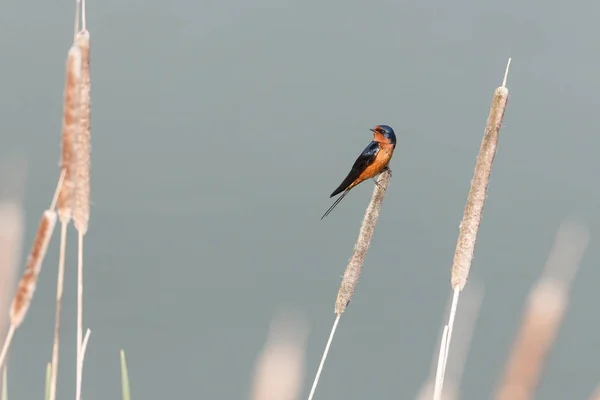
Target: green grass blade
<point>48,375</point>
<point>4,386</point>
<point>124,377</point>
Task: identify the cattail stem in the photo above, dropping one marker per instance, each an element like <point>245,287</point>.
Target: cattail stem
<point>461,349</point>
<point>324,357</point>
<point>59,294</point>
<point>79,315</point>
<point>465,246</point>
<point>354,268</point>
<point>7,342</point>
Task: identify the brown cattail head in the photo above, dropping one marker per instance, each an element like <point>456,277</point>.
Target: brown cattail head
<point>26,288</point>
<point>69,132</point>
<point>365,234</point>
<point>81,212</point>
<point>465,246</point>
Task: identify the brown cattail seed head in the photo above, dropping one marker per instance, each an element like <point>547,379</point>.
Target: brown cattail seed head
<point>465,246</point>
<point>69,132</point>
<point>81,212</point>
<point>28,282</point>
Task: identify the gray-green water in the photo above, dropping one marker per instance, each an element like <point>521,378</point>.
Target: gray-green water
<point>219,130</point>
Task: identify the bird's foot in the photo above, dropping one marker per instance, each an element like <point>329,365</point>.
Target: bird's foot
<point>378,184</point>
<point>389,170</point>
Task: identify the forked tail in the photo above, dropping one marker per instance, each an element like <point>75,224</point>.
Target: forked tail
<point>335,203</point>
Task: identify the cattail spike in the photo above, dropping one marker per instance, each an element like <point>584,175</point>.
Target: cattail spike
<point>354,268</point>
<point>69,132</point>
<point>469,227</point>
<point>81,212</point>
<point>26,288</point>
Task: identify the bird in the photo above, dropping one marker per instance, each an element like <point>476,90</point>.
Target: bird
<point>373,160</point>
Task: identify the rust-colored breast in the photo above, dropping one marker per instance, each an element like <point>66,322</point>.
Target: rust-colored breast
<point>381,161</point>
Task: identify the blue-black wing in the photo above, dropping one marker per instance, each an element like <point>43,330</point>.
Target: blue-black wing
<point>365,159</point>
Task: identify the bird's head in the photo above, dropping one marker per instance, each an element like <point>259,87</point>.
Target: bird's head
<point>384,134</point>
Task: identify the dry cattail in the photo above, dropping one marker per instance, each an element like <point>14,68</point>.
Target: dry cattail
<point>26,287</point>
<point>465,246</point>
<point>354,268</point>
<point>365,234</point>
<point>81,212</point>
<point>467,237</point>
<point>69,132</point>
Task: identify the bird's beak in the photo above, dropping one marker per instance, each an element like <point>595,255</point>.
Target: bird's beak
<point>372,130</point>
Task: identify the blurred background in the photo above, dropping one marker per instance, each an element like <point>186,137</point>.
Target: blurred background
<point>219,129</point>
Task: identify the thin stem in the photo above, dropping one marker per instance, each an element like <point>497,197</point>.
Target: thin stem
<point>79,314</point>
<point>59,294</point>
<point>7,341</point>
<point>322,363</point>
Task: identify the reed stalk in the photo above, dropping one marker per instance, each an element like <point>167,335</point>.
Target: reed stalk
<point>465,247</point>
<point>466,321</point>
<point>354,268</point>
<point>26,287</point>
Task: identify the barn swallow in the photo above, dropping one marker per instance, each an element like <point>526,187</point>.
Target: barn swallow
<point>371,162</point>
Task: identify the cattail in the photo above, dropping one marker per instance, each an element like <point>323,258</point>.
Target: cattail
<point>465,246</point>
<point>543,315</point>
<point>69,132</point>
<point>467,237</point>
<point>28,282</point>
<point>26,287</point>
<point>81,213</point>
<point>354,268</point>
